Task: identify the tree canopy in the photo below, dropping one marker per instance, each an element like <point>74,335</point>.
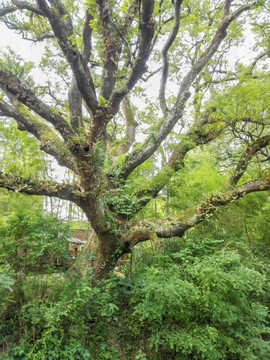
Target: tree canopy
<point>98,111</point>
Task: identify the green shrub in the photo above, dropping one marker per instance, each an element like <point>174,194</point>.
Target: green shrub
<point>70,325</point>
<point>203,300</point>
<point>28,236</point>
<point>203,306</point>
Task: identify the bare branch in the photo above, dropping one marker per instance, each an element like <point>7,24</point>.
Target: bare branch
<point>125,144</point>
<point>257,59</point>
<point>75,106</point>
<point>23,31</point>
<point>42,37</point>
<point>87,36</point>
<point>131,124</point>
<point>226,7</point>
<point>146,78</point>
<point>164,52</point>
<point>242,9</point>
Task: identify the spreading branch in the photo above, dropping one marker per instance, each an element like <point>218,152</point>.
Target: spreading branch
<point>147,229</point>
<point>62,27</point>
<point>197,136</point>
<point>12,85</point>
<point>170,119</point>
<point>39,187</point>
<point>49,141</point>
<point>164,52</point>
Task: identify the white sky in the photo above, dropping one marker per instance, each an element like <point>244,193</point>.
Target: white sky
<point>28,49</point>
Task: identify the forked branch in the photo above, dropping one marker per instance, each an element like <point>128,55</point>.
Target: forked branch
<point>147,28</point>
<point>62,27</point>
<point>173,116</point>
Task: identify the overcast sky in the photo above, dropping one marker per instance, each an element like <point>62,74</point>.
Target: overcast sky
<point>27,49</point>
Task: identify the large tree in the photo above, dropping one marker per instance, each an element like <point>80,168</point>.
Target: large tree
<point>98,59</point>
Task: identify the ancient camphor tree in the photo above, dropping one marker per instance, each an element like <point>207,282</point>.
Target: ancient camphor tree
<point>98,54</point>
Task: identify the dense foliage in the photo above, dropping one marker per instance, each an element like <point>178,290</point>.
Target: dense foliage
<point>27,238</point>
<point>201,297</point>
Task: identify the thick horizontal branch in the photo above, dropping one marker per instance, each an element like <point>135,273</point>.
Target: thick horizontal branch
<point>39,187</point>
<point>142,230</point>
<point>12,85</point>
<point>49,141</point>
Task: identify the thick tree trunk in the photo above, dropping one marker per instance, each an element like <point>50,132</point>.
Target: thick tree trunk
<point>104,246</point>
<point>99,255</point>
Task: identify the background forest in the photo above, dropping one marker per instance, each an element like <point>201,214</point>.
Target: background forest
<point>145,123</point>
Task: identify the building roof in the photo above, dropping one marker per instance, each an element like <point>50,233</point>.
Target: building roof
<point>81,234</point>
<point>76,241</point>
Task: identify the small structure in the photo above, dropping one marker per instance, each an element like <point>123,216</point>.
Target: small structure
<point>77,240</point>
<point>76,245</point>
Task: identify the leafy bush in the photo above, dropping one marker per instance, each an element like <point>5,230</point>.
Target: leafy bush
<point>70,323</point>
<point>202,299</point>
<point>28,236</point>
<point>6,282</point>
<point>203,306</point>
